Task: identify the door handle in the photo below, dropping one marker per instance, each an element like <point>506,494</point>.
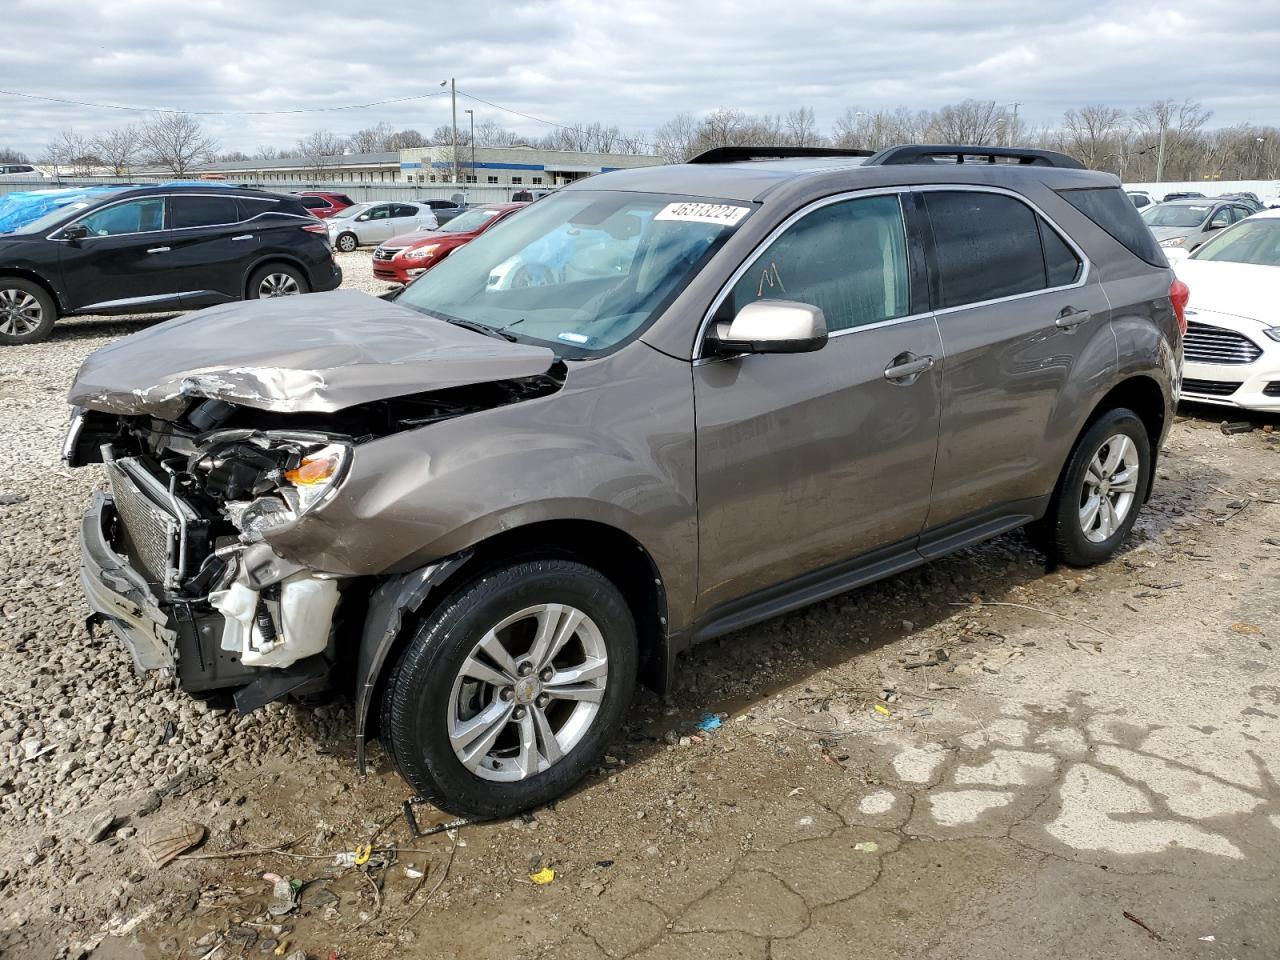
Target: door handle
<point>1069,318</point>
<point>244,236</point>
<point>158,250</point>
<point>907,366</point>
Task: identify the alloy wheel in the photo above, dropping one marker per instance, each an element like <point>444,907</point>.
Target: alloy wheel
<point>20,312</point>
<point>528,692</point>
<point>278,285</point>
<point>1110,488</point>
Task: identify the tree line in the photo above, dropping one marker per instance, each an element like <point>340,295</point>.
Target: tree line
<point>1163,140</point>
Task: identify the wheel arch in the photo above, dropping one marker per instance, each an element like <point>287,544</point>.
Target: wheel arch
<point>1145,397</point>
<point>31,276</point>
<point>398,603</point>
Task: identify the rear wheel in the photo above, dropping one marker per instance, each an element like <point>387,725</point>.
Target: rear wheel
<point>277,280</point>
<point>27,312</point>
<point>1101,488</point>
<point>510,690</point>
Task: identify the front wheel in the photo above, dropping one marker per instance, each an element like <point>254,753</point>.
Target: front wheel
<point>27,312</point>
<point>1101,488</point>
<point>346,242</point>
<point>510,690</point>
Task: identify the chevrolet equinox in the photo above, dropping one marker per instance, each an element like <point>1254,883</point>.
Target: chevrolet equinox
<point>657,406</point>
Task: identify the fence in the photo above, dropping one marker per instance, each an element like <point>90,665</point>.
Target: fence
<point>359,192</point>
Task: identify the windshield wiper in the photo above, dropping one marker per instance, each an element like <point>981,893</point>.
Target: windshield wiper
<point>481,328</point>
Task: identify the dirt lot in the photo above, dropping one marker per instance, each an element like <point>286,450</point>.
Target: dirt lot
<point>980,759</point>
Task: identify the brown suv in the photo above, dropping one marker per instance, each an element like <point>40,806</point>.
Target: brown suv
<point>658,406</point>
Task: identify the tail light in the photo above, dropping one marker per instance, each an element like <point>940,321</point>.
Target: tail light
<point>317,227</point>
<point>1179,294</point>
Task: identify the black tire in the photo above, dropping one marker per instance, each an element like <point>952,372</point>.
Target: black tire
<point>21,320</point>
<point>346,242</point>
<point>276,276</point>
<point>1061,533</point>
<point>417,702</point>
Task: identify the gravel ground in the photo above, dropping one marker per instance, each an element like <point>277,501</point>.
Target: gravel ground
<point>820,813</point>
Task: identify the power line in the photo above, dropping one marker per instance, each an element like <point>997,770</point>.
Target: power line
<point>527,116</point>
<point>217,113</point>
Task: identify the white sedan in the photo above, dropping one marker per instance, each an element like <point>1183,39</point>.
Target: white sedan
<point>1231,353</point>
<point>365,223</point>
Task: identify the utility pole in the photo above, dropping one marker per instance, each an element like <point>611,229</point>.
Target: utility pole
<point>472,115</point>
<point>453,93</point>
<point>1164,127</point>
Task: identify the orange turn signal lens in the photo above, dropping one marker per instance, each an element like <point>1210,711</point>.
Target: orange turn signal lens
<point>313,470</point>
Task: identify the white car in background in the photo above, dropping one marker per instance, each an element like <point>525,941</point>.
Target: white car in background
<point>1231,353</point>
<point>366,223</point>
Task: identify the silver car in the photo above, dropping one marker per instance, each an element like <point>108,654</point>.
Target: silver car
<point>371,223</point>
<point>1185,224</point>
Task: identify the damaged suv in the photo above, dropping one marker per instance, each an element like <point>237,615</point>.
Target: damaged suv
<point>658,406</point>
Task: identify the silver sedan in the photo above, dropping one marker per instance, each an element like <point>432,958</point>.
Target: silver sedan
<point>367,223</point>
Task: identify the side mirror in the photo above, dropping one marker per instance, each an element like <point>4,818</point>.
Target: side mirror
<point>773,326</point>
<point>77,231</point>
<point>362,218</point>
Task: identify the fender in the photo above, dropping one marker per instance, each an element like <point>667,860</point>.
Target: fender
<point>394,597</point>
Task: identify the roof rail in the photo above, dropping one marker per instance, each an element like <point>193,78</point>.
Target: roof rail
<point>737,154</point>
<point>956,153</point>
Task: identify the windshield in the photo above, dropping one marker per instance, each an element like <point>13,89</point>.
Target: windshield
<point>466,222</point>
<point>1250,241</point>
<point>1176,215</point>
<point>582,271</point>
<point>351,211</point>
<point>52,218</point>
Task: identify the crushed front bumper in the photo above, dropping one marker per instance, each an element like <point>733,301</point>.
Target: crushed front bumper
<point>119,595</point>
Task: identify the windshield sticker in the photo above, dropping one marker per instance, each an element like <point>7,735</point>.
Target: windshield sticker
<point>727,214</point>
<point>573,337</point>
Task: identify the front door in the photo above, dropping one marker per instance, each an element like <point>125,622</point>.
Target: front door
<point>380,225</point>
<point>808,461</point>
<point>124,261</point>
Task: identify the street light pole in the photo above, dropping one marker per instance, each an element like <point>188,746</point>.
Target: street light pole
<point>453,93</point>
<point>472,115</point>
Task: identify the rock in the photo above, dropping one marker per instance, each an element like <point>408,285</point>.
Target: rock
<point>31,748</point>
<point>100,826</point>
<point>1235,426</point>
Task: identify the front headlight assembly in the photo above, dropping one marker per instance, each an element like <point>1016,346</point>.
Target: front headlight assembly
<point>1173,242</point>
<point>269,480</point>
<point>422,253</point>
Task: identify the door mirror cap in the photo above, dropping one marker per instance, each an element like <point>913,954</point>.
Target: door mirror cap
<point>774,326</point>
<point>362,218</point>
<point>77,231</point>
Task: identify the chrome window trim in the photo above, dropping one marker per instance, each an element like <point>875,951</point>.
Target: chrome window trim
<point>1086,264</point>
<point>165,196</point>
<point>781,228</point>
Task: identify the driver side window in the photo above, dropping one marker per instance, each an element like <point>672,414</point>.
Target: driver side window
<point>380,213</point>
<point>847,258</point>
<point>137,216</point>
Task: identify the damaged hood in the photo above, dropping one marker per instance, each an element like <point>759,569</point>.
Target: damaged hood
<point>315,353</point>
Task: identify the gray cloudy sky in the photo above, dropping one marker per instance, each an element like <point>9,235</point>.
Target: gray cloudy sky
<point>630,63</point>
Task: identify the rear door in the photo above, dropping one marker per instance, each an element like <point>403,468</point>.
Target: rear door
<point>1020,311</point>
<point>210,248</point>
<point>124,263</point>
<point>806,461</point>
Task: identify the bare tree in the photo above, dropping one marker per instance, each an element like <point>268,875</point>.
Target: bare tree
<point>405,140</point>
<point>320,150</point>
<point>371,139</point>
<point>176,142</point>
<point>1092,133</point>
<point>119,148</point>
<point>490,133</point>
<point>72,151</point>
<point>676,138</point>
<point>801,128</point>
<point>8,155</point>
<point>970,121</point>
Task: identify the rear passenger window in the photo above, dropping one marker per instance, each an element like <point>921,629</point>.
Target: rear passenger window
<point>201,211</point>
<point>847,258</point>
<point>1061,264</point>
<point>988,246</point>
<point>251,207</point>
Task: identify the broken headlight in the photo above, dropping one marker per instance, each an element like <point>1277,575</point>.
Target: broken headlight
<point>266,481</point>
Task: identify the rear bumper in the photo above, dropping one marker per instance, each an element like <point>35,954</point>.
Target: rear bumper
<point>119,595</point>
<point>327,279</point>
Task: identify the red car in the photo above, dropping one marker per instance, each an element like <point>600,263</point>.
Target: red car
<point>402,258</point>
<point>322,204</point>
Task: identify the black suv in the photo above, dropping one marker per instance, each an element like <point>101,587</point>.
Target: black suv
<point>160,248</point>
